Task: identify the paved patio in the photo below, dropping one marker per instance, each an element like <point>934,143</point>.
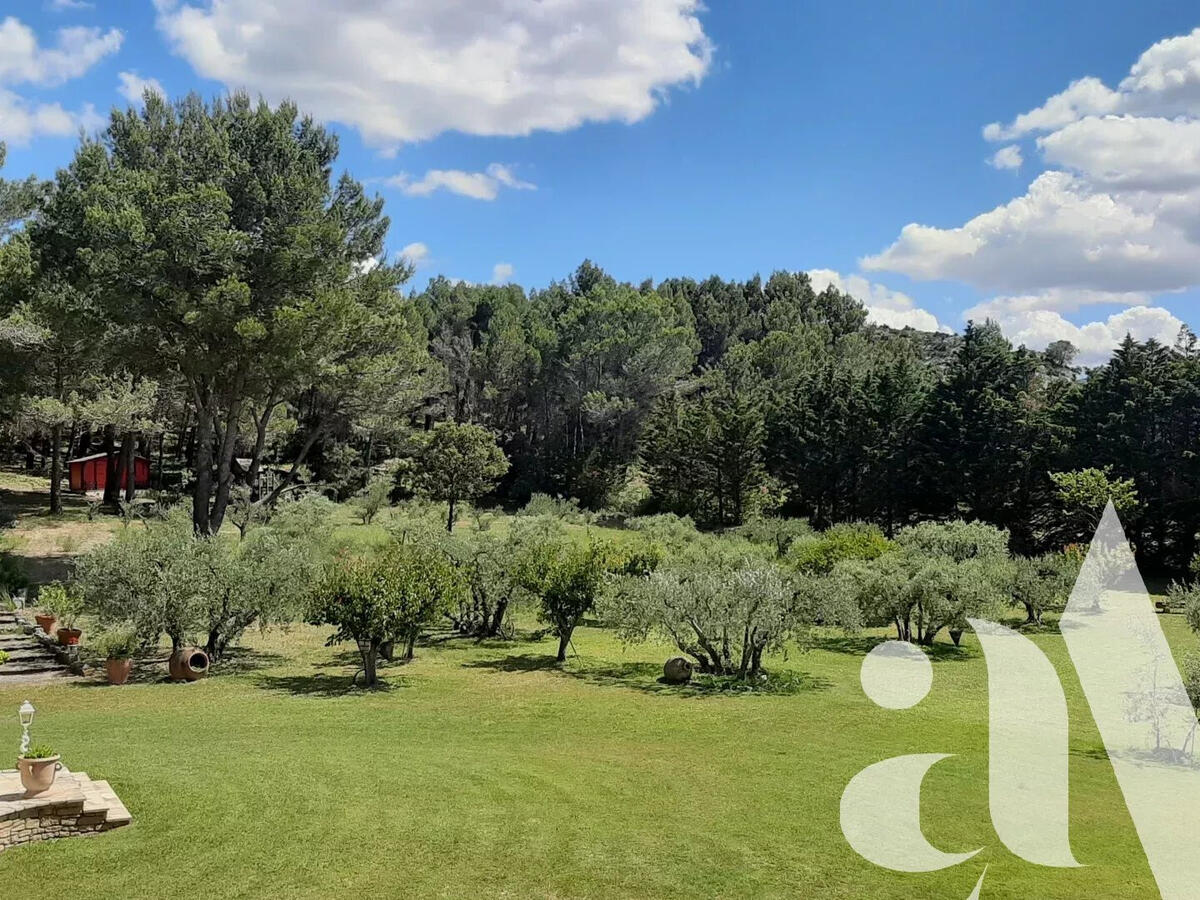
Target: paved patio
<point>75,805</point>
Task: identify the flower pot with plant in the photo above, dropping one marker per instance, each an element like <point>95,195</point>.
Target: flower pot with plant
<point>117,647</point>
<point>38,767</point>
<point>66,603</point>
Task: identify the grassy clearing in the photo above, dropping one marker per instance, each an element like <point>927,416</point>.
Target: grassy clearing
<point>480,770</point>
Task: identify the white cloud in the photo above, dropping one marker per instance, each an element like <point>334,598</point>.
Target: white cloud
<point>477,185</point>
<point>1006,158</point>
<point>65,5</point>
<point>23,59</point>
<point>502,273</point>
<point>133,87</point>
<point>407,70</point>
<point>1030,321</point>
<point>884,306</point>
<point>416,254</point>
<point>21,120</point>
<point>1140,153</point>
<point>1085,97</point>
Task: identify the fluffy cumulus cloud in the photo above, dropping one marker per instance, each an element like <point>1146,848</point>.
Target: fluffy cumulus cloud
<point>1114,218</point>
<point>484,185</point>
<point>24,60</point>
<point>133,86</point>
<point>1006,158</point>
<point>502,273</point>
<point>884,306</point>
<point>415,254</point>
<point>1035,323</point>
<point>406,70</point>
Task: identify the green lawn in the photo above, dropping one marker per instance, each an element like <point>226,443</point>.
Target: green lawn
<point>480,772</point>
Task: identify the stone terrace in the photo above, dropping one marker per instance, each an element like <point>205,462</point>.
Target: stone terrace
<point>75,805</point>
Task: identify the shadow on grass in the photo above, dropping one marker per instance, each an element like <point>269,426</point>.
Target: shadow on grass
<point>647,677</point>
<point>858,645</point>
<point>325,684</point>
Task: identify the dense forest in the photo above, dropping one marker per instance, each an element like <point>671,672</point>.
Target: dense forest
<point>197,287</point>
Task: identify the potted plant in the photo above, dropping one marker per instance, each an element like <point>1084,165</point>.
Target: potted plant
<point>38,767</point>
<point>66,602</point>
<point>117,647</point>
<point>45,620</point>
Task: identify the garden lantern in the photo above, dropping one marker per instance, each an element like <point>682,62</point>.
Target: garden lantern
<point>26,713</point>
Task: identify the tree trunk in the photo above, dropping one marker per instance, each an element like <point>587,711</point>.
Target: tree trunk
<point>229,436</point>
<point>369,651</point>
<point>202,493</point>
<point>56,469</point>
<point>563,641</point>
<point>410,646</point>
<point>450,518</point>
<point>129,466</point>
<point>497,622</point>
<point>112,483</point>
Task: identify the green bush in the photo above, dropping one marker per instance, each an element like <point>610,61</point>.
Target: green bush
<point>63,600</point>
<point>386,597</point>
<point>3,657</point>
<point>118,643</point>
<point>40,751</point>
<point>957,540</point>
<point>817,554</point>
<point>165,579</point>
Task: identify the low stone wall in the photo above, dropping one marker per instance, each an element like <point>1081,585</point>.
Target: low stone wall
<point>74,806</point>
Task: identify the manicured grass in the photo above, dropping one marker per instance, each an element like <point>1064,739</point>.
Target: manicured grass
<point>481,771</point>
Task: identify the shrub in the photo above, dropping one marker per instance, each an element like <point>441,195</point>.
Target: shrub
<point>666,528</point>
<point>725,612</point>
<point>1189,598</point>
<point>64,601</point>
<point>40,751</point>
<point>564,508</point>
<point>120,643</point>
<point>775,531</point>
<point>3,657</point>
<point>372,498</point>
<point>386,597</point>
<point>166,579</point>
<point>12,577</point>
<point>1043,583</point>
<point>957,540</point>
<point>484,561</point>
<point>567,579</point>
<point>817,554</point>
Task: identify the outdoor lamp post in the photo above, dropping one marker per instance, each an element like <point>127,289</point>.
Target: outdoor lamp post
<point>26,712</point>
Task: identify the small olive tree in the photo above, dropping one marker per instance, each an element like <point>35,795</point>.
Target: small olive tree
<point>386,597</point>
<point>457,463</point>
<point>485,563</point>
<point>566,578</point>
<point>167,579</point>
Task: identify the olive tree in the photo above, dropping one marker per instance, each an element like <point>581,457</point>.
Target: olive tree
<point>386,597</point>
<point>165,578</point>
<point>458,462</point>
<point>567,578</point>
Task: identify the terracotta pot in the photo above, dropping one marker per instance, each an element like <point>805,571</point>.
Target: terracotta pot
<point>188,664</point>
<point>69,637</point>
<point>46,621</point>
<point>118,670</point>
<point>37,775</point>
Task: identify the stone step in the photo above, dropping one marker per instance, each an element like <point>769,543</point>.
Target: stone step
<point>76,805</point>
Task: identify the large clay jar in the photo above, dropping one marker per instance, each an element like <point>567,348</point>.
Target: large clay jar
<point>46,621</point>
<point>118,670</point>
<point>677,670</point>
<point>37,775</point>
<point>188,664</point>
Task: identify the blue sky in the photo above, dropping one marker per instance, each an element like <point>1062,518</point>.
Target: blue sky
<point>659,138</point>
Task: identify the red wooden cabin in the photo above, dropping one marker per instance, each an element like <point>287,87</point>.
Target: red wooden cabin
<point>90,473</point>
